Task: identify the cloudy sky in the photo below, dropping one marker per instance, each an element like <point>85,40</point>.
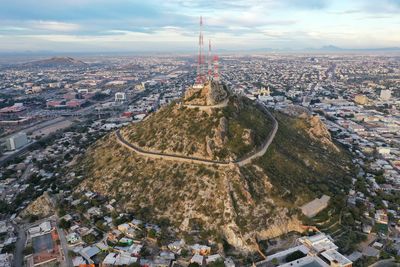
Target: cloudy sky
<point>172,25</point>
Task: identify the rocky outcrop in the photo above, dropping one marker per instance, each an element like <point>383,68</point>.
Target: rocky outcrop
<point>318,131</point>
<point>210,94</point>
<point>315,128</point>
<point>247,137</point>
<point>41,207</point>
<point>221,132</point>
<point>195,96</point>
<point>210,147</point>
<point>216,94</point>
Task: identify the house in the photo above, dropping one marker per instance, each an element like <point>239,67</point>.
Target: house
<point>74,228</point>
<point>199,259</point>
<point>370,252</point>
<point>94,211</point>
<point>6,260</point>
<point>114,235</point>
<point>164,259</point>
<point>72,238</point>
<point>200,249</point>
<point>176,246</point>
<point>367,228</point>
<point>133,249</point>
<point>123,227</point>
<point>213,258</point>
<point>229,262</point>
<point>78,261</point>
<point>115,259</point>
<point>67,217</point>
<point>89,252</point>
<point>102,246</point>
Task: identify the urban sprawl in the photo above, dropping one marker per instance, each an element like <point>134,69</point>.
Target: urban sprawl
<point>49,116</point>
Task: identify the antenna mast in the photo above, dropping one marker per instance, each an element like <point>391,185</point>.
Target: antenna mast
<point>200,60</point>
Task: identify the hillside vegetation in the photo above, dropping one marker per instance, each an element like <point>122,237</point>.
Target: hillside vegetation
<point>302,167</point>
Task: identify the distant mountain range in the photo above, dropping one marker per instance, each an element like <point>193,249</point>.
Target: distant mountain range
<point>327,49</point>
<point>332,48</point>
<point>55,62</point>
<point>67,60</point>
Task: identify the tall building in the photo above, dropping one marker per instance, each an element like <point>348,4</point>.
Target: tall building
<point>17,141</point>
<point>386,94</point>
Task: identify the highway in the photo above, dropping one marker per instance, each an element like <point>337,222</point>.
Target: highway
<point>240,162</point>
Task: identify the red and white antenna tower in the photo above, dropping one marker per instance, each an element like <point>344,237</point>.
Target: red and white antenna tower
<point>200,60</point>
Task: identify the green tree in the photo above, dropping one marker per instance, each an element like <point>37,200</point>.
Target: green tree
<point>275,261</point>
<point>152,233</point>
<point>28,250</point>
<point>64,224</point>
<point>217,263</point>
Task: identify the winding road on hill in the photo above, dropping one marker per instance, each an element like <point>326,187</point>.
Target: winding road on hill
<point>239,162</point>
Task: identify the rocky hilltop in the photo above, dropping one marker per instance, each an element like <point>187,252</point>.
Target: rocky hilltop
<point>238,204</point>
<point>211,94</point>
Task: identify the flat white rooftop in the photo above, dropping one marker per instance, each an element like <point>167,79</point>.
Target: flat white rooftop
<point>335,257</point>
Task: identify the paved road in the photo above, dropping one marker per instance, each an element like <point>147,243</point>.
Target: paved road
<point>63,241</point>
<point>385,263</point>
<point>156,155</point>
<point>19,247</point>
<point>239,162</point>
<point>268,142</point>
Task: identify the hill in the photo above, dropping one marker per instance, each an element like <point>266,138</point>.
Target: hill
<point>55,62</point>
<point>238,204</point>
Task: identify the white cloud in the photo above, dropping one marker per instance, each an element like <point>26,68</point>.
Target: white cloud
<point>54,26</point>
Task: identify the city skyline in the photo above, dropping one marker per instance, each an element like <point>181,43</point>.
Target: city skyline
<point>171,26</point>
